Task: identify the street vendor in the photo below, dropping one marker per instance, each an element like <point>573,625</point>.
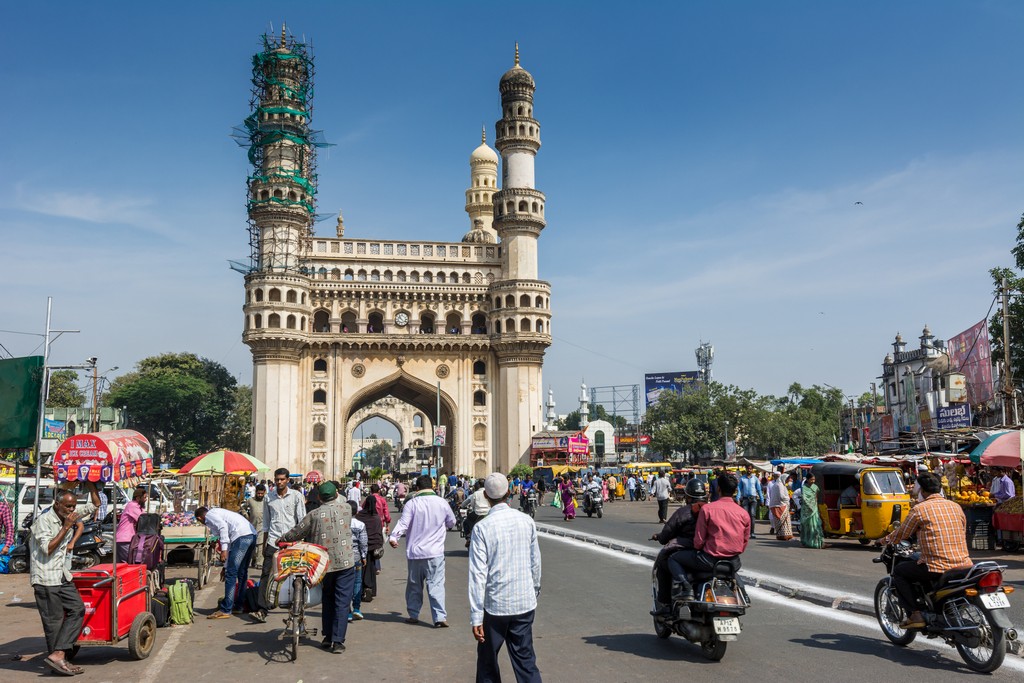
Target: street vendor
<point>60,606</point>
<point>128,520</point>
<point>1002,488</point>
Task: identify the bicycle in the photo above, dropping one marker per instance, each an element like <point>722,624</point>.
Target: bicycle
<point>306,564</point>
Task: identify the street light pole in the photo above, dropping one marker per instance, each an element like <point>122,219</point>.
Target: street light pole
<point>725,450</point>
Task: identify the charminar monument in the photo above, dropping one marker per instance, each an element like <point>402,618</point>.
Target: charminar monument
<point>336,324</point>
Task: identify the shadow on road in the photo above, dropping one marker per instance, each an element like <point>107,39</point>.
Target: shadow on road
<point>883,650</point>
<point>392,617</point>
<point>267,645</point>
<point>649,646</point>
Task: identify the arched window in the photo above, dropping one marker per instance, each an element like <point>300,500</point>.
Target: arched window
<point>401,276</point>
<point>321,321</point>
<point>453,323</point>
<point>320,397</point>
<point>248,297</point>
<point>320,365</point>
<point>524,300</point>
<point>510,301</point>
<point>510,325</point>
<point>290,323</point>
<point>540,326</point>
<point>290,296</point>
<point>274,294</point>
<point>375,276</point>
<point>524,325</point>
<point>465,278</point>
<point>273,320</point>
<point>375,324</point>
<point>388,276</point>
<point>441,277</point>
<point>497,302</point>
<point>336,273</point>
<point>599,443</point>
<point>257,321</point>
<point>427,323</point>
<point>348,322</point>
<point>479,398</point>
<point>428,277</point>
<point>479,433</point>
<point>361,275</point>
<point>259,295</point>
<point>497,327</point>
<point>414,276</point>
<point>319,433</point>
<point>417,421</point>
<point>479,368</point>
<point>479,323</point>
<point>539,302</point>
<point>533,207</point>
<point>522,206</point>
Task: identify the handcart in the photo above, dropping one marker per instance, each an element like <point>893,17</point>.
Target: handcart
<point>116,596</point>
<point>197,542</point>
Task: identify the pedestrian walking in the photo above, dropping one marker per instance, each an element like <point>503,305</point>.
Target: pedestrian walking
<point>631,487</point>
<point>60,606</point>
<point>374,547</point>
<point>283,509</point>
<point>330,526</point>
<point>567,491</point>
<point>778,507</point>
<point>811,533</point>
<point>751,495</point>
<point>504,583</point>
<point>661,490</point>
<point>7,529</point>
<point>237,540</point>
<point>425,521</point>
<point>252,510</point>
<point>359,551</point>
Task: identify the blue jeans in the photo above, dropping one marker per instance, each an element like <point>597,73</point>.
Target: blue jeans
<point>750,505</point>
<point>430,571</point>
<point>236,569</point>
<point>337,598</point>
<point>357,592</point>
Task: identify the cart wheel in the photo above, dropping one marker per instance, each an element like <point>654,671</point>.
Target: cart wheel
<point>72,653</point>
<point>142,636</point>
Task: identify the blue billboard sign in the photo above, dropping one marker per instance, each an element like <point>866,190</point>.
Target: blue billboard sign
<point>676,382</point>
<point>955,416</point>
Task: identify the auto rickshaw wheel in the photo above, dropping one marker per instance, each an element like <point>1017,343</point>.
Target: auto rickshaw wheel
<point>142,636</point>
<point>864,541</point>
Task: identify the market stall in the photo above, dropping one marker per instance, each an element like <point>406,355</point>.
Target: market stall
<point>1005,451</point>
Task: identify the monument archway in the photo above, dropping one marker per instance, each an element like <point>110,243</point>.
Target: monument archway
<point>422,398</point>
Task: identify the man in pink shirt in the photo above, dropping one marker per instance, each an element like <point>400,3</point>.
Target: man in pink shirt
<point>126,521</point>
<point>723,529</point>
<point>382,507</point>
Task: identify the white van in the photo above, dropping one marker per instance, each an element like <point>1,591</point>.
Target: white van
<point>27,493</point>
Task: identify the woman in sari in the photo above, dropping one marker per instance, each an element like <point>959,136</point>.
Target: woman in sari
<point>778,507</point>
<point>811,534</point>
<point>568,493</point>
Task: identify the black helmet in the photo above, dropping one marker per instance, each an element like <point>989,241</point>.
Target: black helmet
<point>696,489</point>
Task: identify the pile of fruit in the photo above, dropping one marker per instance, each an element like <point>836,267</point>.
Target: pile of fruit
<point>178,519</point>
<point>1014,506</point>
<point>973,498</point>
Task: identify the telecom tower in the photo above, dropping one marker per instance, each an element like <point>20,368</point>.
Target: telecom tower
<point>705,357</point>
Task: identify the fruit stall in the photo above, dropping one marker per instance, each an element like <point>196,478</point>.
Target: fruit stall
<point>978,507</point>
<point>1008,519</point>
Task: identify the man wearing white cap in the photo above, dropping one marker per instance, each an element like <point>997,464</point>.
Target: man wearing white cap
<point>504,582</point>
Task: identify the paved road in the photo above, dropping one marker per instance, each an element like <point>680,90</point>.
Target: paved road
<point>592,625</point>
<point>843,569</point>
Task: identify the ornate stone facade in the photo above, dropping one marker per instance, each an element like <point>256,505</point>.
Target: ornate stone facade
<point>337,324</point>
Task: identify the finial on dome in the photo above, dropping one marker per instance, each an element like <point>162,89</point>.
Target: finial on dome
<point>483,135</point>
<point>283,36</point>
<point>517,53</point>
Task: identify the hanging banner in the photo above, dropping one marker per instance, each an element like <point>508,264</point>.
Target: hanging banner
<point>675,382</point>
<point>54,429</point>
<point>954,416</point>
<point>971,354</point>
<point>21,380</point>
<point>440,432</point>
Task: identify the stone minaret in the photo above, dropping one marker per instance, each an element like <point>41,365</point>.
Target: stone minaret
<point>584,406</point>
<point>483,164</point>
<point>281,205</point>
<point>521,314</point>
<point>552,416</point>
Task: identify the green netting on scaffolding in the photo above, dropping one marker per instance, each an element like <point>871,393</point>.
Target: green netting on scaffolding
<point>265,63</point>
<point>292,176</point>
<point>307,205</point>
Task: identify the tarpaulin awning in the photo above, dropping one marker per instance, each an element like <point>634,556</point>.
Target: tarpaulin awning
<point>115,456</point>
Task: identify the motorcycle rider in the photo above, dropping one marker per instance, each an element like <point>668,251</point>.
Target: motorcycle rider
<point>525,487</point>
<point>722,533</point>
<point>478,507</point>
<point>592,489</point>
<point>677,534</point>
<point>941,529</point>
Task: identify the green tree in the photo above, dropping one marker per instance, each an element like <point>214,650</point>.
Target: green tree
<point>571,422</point>
<point>64,391</point>
<point>237,431</point>
<point>1016,322</point>
<point>377,453</point>
<point>520,470</point>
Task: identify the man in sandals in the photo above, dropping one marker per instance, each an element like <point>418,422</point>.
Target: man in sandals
<point>60,606</point>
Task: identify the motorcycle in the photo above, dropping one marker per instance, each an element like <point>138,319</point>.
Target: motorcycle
<point>592,503</point>
<point>90,550</point>
<point>965,607</point>
<point>712,619</point>
<point>641,490</point>
<point>529,502</point>
<point>399,502</point>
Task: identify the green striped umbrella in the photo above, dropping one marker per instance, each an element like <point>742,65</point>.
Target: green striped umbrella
<point>223,461</point>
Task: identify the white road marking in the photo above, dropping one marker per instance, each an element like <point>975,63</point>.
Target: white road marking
<point>175,634</point>
<point>860,621</point>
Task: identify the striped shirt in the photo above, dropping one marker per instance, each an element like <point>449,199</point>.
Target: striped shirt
<point>7,524</point>
<point>504,565</point>
<point>941,529</point>
<point>52,569</point>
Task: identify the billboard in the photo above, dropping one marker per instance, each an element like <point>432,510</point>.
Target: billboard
<point>955,416</point>
<point>676,382</point>
<point>971,354</point>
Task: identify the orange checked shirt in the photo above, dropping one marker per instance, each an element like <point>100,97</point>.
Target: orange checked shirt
<point>941,529</point>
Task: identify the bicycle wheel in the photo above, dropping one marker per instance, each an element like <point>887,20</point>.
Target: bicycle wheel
<point>296,614</point>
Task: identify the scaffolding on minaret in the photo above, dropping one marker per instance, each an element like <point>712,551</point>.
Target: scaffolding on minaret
<point>282,148</point>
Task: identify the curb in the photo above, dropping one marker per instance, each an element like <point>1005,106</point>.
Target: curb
<point>775,584</point>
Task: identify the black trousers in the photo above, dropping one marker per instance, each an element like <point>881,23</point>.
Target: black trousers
<point>370,576</point>
<point>266,570</point>
<point>62,612</point>
<point>904,576</point>
<point>663,511</point>
<point>517,631</point>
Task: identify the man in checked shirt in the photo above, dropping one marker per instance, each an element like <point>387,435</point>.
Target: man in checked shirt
<point>941,529</point>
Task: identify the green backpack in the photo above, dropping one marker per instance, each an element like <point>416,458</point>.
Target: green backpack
<point>180,597</point>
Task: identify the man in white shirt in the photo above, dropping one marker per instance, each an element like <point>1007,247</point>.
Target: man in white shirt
<point>631,485</point>
<point>661,490</point>
<point>355,493</point>
<point>283,509</point>
<point>237,540</point>
<point>504,582</point>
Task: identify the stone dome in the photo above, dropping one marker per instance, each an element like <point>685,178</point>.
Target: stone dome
<point>517,76</point>
<point>483,153</point>
<point>479,236</point>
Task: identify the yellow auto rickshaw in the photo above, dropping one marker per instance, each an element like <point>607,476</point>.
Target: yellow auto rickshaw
<point>860,501</point>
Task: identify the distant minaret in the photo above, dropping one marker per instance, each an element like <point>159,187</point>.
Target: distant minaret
<point>483,166</point>
<point>552,416</point>
<point>584,406</point>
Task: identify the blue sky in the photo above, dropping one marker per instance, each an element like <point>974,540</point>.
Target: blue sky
<point>701,160</point>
